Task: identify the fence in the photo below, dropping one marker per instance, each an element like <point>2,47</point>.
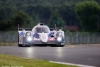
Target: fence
<point>8,38</point>
<point>82,38</point>
<point>11,38</point>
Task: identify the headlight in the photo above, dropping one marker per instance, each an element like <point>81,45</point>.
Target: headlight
<point>29,39</point>
<point>59,39</point>
<point>28,34</point>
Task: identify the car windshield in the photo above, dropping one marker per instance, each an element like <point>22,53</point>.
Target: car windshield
<point>42,29</point>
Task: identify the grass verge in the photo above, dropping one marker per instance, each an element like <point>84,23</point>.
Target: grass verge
<point>14,61</point>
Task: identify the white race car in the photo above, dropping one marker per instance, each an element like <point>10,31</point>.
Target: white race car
<point>40,35</point>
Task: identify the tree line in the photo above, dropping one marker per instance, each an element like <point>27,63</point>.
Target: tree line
<point>28,13</point>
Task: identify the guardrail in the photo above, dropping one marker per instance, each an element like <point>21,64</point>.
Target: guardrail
<point>8,38</point>
<point>11,38</point>
<point>82,38</point>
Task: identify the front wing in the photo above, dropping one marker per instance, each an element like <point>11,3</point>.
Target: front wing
<point>23,40</point>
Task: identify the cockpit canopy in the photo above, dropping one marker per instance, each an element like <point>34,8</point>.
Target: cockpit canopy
<point>41,29</point>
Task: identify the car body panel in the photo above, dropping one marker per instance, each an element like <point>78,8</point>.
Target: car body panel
<point>40,35</point>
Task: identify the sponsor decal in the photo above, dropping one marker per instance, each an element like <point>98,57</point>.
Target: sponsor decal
<point>52,39</point>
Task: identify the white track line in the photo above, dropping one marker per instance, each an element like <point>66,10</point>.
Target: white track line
<point>79,65</point>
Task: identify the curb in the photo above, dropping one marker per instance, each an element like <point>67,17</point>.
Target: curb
<point>79,65</point>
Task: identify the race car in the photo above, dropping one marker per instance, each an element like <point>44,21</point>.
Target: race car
<point>40,35</point>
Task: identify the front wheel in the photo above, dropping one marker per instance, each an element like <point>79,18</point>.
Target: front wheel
<point>57,45</point>
<point>19,45</point>
<point>60,45</point>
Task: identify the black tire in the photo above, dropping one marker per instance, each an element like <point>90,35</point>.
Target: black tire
<point>19,45</point>
<point>53,45</point>
<point>27,46</point>
<point>43,45</point>
<point>60,45</point>
<point>57,45</point>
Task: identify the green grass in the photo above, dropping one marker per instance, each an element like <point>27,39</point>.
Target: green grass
<point>14,61</point>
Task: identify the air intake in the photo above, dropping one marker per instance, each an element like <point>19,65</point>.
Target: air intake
<point>41,23</point>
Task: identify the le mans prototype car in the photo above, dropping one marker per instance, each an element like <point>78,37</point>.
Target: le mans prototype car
<point>40,35</point>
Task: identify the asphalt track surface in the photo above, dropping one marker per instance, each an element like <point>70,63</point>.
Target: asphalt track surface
<point>85,55</point>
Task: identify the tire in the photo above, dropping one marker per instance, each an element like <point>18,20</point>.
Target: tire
<point>43,45</point>
<point>57,45</point>
<point>19,45</point>
<point>60,45</point>
<point>27,46</point>
<point>53,45</point>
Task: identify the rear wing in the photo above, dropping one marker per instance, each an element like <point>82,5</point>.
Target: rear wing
<point>26,29</point>
<point>51,29</point>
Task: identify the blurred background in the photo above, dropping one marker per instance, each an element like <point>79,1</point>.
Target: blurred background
<point>28,13</point>
<point>80,19</point>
